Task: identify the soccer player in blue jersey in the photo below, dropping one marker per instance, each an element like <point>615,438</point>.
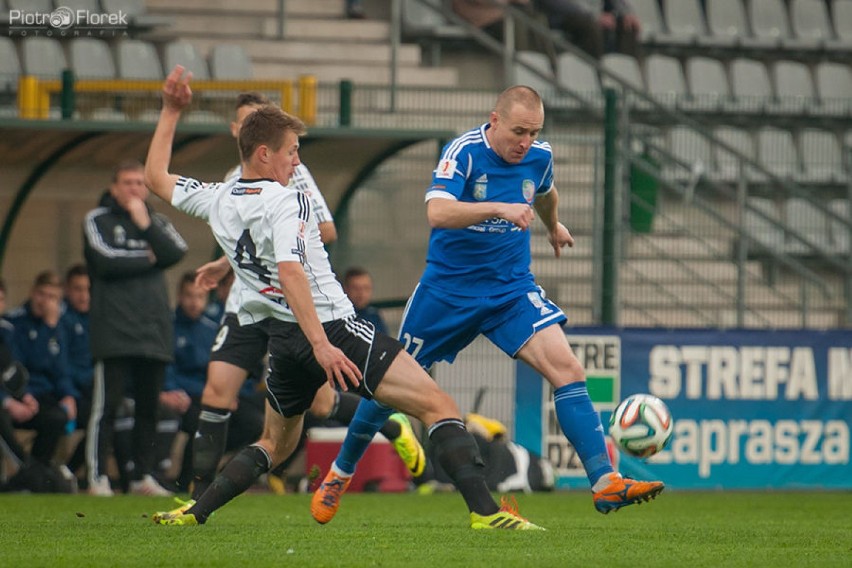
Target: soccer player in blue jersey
<point>484,192</point>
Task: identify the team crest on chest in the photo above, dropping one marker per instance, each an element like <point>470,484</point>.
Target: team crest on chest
<point>528,189</point>
<point>480,188</point>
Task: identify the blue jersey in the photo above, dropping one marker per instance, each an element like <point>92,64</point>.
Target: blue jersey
<point>492,257</point>
<point>193,340</point>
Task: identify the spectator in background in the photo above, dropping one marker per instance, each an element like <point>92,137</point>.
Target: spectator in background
<point>595,26</point>
<point>128,247</point>
<point>14,379</point>
<point>75,322</point>
<point>358,285</point>
<point>48,403</point>
<point>355,9</point>
<point>488,15</point>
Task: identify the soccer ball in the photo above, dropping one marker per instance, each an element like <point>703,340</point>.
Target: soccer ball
<point>641,425</point>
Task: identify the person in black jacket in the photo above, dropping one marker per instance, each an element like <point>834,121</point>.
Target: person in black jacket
<point>127,247</point>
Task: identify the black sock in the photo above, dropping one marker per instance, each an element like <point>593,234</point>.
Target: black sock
<point>345,406</point>
<point>208,446</point>
<point>391,430</point>
<point>240,473</point>
<point>458,454</point>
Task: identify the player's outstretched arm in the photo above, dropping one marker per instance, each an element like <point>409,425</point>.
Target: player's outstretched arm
<point>176,96</point>
<point>451,214</point>
<point>297,291</point>
<point>547,206</point>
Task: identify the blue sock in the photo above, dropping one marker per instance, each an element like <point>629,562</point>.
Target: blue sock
<point>581,424</point>
<point>368,419</point>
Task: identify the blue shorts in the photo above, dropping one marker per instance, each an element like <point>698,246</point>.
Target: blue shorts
<point>437,325</point>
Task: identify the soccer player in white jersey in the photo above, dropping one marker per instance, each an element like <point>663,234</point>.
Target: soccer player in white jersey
<point>477,281</point>
<point>274,247</point>
<point>239,349</point>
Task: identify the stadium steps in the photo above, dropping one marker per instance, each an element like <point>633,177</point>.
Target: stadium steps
<point>318,40</point>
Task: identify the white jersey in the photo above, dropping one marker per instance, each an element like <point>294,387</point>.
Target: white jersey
<point>302,180</point>
<point>259,223</point>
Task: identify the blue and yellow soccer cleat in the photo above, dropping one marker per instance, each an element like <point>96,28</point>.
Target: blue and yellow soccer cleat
<point>162,516</point>
<point>623,491</point>
<point>408,446</point>
<point>507,518</point>
<point>326,499</point>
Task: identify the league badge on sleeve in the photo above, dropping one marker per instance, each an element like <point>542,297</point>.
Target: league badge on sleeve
<point>446,169</point>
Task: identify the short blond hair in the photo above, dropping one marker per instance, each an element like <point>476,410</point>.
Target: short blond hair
<point>518,94</point>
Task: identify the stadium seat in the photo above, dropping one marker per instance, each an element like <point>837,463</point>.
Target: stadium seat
<point>540,77</point>
<point>842,19</point>
<point>726,165</point>
<point>90,5</point>
<point>648,12</point>
<point>708,83</point>
<point>43,6</point>
<point>685,21</point>
<point>750,86</point>
<point>806,221</point>
<point>138,59</point>
<point>838,230</point>
<point>822,161</point>
<point>138,14</point>
<point>579,77</point>
<point>10,67</point>
<point>43,57</point>
<point>691,151</point>
<point>762,222</point>
<point>91,59</point>
<point>625,67</point>
<point>726,21</point>
<point>769,24</point>
<point>776,152</point>
<point>230,62</point>
<point>834,88</point>
<point>665,80</point>
<point>184,53</point>
<point>810,23</point>
<point>794,89</point>
<point>422,24</point>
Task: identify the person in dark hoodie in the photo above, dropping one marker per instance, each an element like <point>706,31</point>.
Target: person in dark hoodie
<point>127,248</point>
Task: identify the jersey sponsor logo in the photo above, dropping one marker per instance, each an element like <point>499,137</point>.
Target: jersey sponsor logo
<point>246,191</point>
<point>480,188</point>
<point>528,189</point>
<point>446,169</point>
<point>274,294</point>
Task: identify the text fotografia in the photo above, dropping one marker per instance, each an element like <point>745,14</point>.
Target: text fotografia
<point>65,22</point>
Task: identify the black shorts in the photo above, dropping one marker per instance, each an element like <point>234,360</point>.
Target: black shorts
<point>295,375</point>
<point>242,345</point>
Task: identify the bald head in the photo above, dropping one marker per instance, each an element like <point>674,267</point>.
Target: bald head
<point>521,95</point>
<point>515,123</point>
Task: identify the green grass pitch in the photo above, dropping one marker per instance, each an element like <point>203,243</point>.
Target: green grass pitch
<point>682,529</point>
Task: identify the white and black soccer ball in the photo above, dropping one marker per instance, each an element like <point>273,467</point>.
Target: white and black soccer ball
<point>641,425</point>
